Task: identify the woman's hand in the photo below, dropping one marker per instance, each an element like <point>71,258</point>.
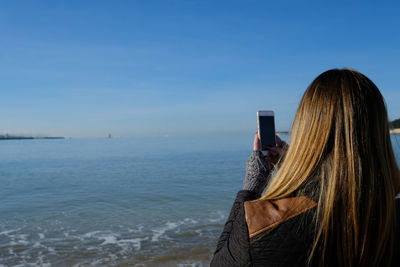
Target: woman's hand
<point>259,167</point>
<point>274,153</point>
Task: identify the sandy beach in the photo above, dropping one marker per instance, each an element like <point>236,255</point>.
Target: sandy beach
<point>395,131</point>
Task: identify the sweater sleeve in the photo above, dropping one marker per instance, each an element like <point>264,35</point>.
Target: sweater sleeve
<point>257,172</point>
<point>233,246</point>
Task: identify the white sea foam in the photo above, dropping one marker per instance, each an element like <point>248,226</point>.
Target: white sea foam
<point>104,243</point>
<point>92,234</point>
<point>110,257</point>
<point>138,230</point>
<point>11,251</point>
<point>160,231</point>
<point>109,239</point>
<point>190,220</point>
<point>23,242</point>
<point>220,217</point>
<point>19,242</point>
<point>40,262</point>
<point>199,232</point>
<point>22,237</point>
<point>97,262</point>
<point>9,231</point>
<point>106,236</point>
<point>136,242</point>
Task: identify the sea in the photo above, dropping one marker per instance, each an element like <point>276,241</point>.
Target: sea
<point>119,201</point>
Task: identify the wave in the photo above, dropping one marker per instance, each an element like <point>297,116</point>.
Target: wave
<point>165,241</point>
<point>169,226</point>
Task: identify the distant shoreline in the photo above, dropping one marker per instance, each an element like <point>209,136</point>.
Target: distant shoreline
<point>282,132</point>
<point>9,137</point>
<point>395,131</point>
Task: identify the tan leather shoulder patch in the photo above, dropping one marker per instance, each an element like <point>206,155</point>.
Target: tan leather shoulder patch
<point>262,215</point>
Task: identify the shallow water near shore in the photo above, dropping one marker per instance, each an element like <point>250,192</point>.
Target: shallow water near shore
<point>127,201</point>
<point>118,202</point>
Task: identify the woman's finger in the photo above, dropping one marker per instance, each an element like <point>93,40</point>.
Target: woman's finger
<point>256,143</point>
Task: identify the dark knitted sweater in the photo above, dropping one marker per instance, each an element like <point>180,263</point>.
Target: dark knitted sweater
<point>284,242</point>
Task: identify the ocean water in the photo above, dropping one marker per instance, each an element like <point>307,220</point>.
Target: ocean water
<point>118,202</point>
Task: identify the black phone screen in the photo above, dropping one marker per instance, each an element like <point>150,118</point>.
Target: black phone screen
<point>267,131</point>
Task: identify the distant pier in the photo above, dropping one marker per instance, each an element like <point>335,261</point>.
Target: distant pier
<point>17,137</point>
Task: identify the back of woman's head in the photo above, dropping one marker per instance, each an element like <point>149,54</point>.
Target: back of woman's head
<point>340,141</point>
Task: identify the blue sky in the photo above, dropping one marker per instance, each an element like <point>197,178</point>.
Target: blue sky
<point>156,68</point>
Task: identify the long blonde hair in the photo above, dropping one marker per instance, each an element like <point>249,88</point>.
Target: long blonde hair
<point>340,139</point>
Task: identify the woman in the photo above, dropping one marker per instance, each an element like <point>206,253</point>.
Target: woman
<point>332,200</point>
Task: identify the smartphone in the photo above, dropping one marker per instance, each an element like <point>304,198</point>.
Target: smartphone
<point>266,129</point>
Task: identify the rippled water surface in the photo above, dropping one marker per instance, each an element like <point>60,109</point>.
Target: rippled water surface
<point>143,201</point>
<point>118,202</point>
